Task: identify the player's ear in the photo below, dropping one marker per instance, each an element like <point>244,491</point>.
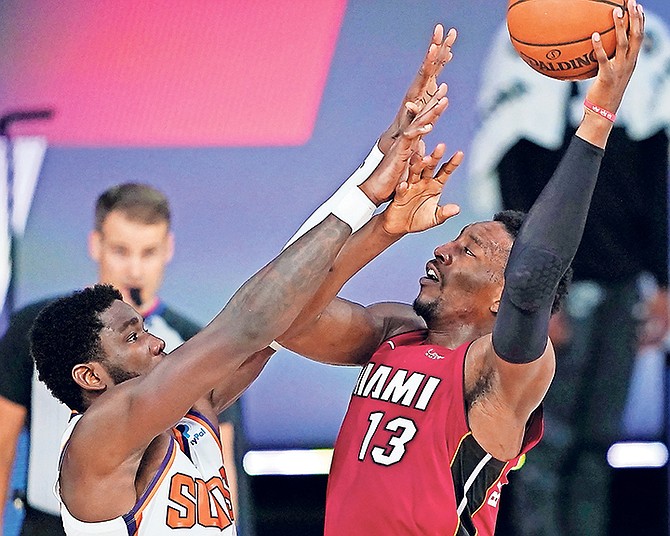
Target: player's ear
<point>495,306</point>
<point>89,376</point>
<point>94,245</point>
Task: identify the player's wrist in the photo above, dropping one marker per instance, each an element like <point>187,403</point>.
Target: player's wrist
<point>594,129</point>
<point>363,171</point>
<point>370,192</point>
<point>385,141</point>
<point>355,209</point>
<point>599,110</point>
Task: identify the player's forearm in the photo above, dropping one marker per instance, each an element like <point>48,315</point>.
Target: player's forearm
<point>542,252</point>
<point>557,218</point>
<point>594,129</point>
<point>361,248</point>
<point>236,383</point>
<point>267,304</point>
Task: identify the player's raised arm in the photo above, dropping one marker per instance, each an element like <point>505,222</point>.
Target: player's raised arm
<point>551,233</point>
<point>162,388</point>
<point>422,105</point>
<point>605,94</point>
<point>420,94</point>
<point>348,333</point>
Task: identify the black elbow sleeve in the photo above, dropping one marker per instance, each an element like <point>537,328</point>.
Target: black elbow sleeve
<point>542,252</point>
<point>522,325</point>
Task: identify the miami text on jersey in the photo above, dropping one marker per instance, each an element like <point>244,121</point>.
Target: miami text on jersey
<point>414,390</point>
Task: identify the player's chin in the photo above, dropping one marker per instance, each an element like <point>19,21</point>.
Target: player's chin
<point>423,306</point>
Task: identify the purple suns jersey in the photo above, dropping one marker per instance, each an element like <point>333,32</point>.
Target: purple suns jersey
<point>405,461</point>
<point>189,493</point>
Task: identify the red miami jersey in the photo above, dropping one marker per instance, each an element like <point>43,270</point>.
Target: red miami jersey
<point>405,461</point>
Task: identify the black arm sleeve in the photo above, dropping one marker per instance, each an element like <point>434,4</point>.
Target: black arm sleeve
<point>542,252</point>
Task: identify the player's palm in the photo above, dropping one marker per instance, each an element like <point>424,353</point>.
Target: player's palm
<point>415,206</point>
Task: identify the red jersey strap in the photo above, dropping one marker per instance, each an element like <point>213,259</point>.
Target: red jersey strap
<point>534,430</point>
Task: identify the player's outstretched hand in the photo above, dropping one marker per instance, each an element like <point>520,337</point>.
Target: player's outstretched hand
<point>423,86</point>
<point>614,74</point>
<point>415,206</point>
<point>393,169</point>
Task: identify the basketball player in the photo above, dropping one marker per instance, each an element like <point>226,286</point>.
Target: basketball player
<point>131,244</point>
<point>142,455</point>
<point>449,396</point>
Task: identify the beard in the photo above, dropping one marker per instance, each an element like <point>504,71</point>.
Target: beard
<point>426,310</point>
<point>118,374</point>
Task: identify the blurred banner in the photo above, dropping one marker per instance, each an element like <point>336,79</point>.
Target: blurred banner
<point>20,163</point>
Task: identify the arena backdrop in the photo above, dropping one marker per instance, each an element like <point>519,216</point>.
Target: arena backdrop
<point>248,115</point>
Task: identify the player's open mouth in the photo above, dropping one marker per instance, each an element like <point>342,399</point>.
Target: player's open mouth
<point>431,273</point>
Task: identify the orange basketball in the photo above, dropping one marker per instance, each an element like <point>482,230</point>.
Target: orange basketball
<point>554,36</point>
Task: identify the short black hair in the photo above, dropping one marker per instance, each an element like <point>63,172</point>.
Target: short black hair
<point>66,333</point>
<point>138,202</point>
<point>512,220</point>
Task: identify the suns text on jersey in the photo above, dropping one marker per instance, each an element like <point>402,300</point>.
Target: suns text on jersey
<point>194,501</point>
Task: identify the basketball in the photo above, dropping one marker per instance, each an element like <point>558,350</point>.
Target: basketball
<point>554,36</point>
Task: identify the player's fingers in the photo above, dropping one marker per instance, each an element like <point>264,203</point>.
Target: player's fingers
<point>445,212</point>
<point>416,130</point>
<point>400,190</point>
<point>438,34</point>
<point>430,114</point>
<point>412,109</point>
<point>445,53</point>
<point>636,24</point>
<point>449,167</point>
<point>427,67</point>
<point>421,147</point>
<point>432,160</point>
<point>422,124</point>
<point>452,34</point>
<point>439,94</point>
<point>432,64</point>
<point>621,32</point>
<point>415,168</point>
<point>599,51</point>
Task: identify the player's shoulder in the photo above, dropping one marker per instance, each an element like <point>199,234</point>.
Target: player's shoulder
<point>396,318</point>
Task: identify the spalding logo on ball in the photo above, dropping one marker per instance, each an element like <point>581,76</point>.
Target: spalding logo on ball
<point>554,36</point>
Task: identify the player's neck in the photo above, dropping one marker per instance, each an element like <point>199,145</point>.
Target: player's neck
<point>454,334</point>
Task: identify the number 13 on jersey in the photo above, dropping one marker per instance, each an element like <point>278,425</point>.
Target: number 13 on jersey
<point>401,431</point>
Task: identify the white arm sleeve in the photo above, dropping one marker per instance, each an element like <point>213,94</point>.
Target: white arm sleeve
<point>363,172</point>
<point>333,202</point>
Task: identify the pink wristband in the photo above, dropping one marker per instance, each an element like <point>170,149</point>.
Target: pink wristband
<point>600,111</point>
